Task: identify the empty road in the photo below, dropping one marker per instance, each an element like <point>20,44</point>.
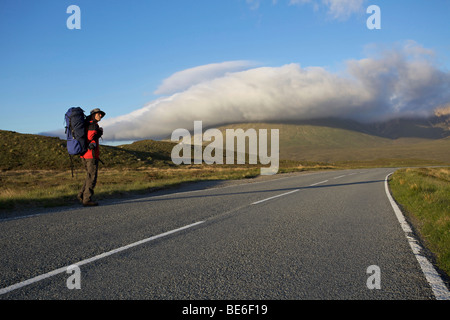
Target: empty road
<point>293,237</point>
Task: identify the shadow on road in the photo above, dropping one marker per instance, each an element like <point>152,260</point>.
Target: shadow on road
<point>166,197</point>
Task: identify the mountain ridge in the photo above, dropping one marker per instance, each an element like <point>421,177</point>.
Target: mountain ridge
<point>321,140</point>
<point>433,127</point>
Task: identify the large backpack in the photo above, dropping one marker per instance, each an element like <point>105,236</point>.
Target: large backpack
<point>75,131</point>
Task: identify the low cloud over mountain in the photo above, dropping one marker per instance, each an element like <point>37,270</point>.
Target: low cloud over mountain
<point>403,81</point>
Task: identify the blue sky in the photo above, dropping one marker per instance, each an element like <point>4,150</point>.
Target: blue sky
<point>126,49</point>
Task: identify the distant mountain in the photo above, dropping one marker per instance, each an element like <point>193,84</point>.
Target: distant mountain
<point>435,127</point>
<point>395,142</point>
<point>341,140</point>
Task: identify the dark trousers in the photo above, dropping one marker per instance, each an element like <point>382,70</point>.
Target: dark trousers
<point>87,191</point>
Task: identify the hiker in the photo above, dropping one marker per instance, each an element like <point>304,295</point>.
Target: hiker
<point>91,157</point>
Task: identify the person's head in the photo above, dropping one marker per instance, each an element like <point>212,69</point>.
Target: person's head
<point>97,114</point>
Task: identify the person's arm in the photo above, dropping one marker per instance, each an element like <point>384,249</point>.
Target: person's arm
<point>92,136</point>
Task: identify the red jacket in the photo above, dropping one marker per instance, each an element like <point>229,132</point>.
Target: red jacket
<point>93,134</point>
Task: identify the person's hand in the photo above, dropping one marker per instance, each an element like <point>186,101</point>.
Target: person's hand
<point>92,146</point>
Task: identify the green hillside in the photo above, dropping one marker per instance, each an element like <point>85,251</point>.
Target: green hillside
<point>340,145</point>
<point>25,161</point>
<point>31,152</point>
<point>153,150</point>
<point>298,142</point>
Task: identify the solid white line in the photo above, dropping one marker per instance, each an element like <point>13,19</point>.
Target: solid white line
<point>339,177</point>
<point>398,213</point>
<point>315,184</point>
<point>280,195</point>
<point>98,257</point>
<point>434,279</point>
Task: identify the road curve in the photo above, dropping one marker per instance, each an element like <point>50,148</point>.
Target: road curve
<point>294,237</point>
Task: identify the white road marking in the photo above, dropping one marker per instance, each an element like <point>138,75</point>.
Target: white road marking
<point>98,257</point>
<point>284,194</point>
<point>280,195</point>
<point>315,184</point>
<point>434,279</point>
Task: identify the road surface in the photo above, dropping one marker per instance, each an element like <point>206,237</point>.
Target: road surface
<point>324,235</point>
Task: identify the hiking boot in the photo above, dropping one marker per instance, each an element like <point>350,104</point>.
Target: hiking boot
<point>90,203</point>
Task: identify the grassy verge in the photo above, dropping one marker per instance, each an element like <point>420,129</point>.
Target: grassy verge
<point>49,188</point>
<point>424,193</point>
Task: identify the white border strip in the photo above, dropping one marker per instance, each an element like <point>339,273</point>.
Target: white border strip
<point>86,261</point>
<point>434,279</point>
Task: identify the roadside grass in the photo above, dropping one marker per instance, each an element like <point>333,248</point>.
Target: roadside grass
<point>49,188</point>
<point>424,194</point>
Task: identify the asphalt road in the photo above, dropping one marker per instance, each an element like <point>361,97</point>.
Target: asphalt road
<point>295,237</point>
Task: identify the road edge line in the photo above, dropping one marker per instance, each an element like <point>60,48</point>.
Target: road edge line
<point>438,286</point>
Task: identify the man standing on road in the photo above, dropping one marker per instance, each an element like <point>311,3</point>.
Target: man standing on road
<point>91,157</point>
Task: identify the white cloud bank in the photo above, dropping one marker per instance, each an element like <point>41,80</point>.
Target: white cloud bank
<point>402,81</point>
<point>183,80</point>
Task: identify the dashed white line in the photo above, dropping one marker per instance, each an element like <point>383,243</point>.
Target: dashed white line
<point>315,184</point>
<point>280,195</point>
<point>284,194</point>
<point>98,257</point>
<point>438,286</point>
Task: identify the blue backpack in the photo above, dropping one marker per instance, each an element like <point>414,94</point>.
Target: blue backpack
<point>75,131</point>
